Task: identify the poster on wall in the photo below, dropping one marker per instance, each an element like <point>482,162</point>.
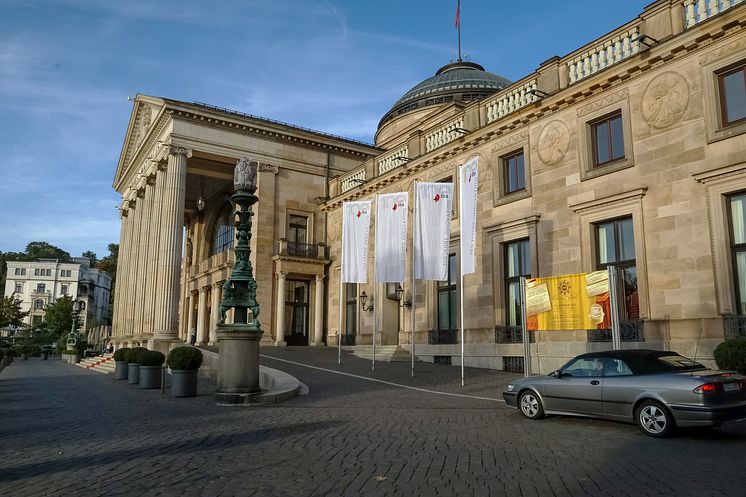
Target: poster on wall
<point>568,303</point>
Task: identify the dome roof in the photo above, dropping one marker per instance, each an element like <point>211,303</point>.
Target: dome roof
<point>460,81</point>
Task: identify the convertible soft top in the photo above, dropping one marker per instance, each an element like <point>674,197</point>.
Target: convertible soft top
<point>649,361</point>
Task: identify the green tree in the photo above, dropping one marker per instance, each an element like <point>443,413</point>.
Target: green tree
<point>10,312</point>
<point>59,317</point>
<point>91,256</point>
<point>109,263</point>
<point>44,250</point>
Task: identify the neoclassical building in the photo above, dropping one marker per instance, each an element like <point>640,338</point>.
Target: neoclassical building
<point>630,151</point>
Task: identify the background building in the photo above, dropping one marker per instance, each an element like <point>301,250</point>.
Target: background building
<point>628,151</point>
<point>40,283</point>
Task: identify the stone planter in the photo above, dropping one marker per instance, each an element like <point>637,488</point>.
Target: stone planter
<point>150,377</point>
<point>120,370</point>
<point>133,373</point>
<point>184,383</point>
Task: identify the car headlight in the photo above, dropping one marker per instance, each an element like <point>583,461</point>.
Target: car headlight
<point>511,388</point>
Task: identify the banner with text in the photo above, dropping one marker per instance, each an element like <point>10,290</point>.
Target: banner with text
<point>355,232</point>
<point>570,302</point>
<point>432,230</point>
<point>468,185</point>
<point>391,237</point>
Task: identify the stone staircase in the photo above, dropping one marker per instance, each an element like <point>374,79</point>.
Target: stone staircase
<point>384,353</point>
<point>101,364</point>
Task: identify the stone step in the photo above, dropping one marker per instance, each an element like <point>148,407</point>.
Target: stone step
<point>384,353</point>
<point>100,364</point>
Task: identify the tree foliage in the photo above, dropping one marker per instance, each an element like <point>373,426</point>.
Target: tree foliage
<point>91,256</point>
<point>10,312</point>
<point>44,250</point>
<point>109,263</point>
<point>59,317</point>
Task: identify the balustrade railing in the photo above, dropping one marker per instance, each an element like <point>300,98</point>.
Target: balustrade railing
<point>348,339</point>
<point>607,53</point>
<point>630,331</point>
<point>442,337</point>
<point>734,326</point>
<point>393,160</point>
<point>297,249</point>
<point>696,11</point>
<point>352,180</point>
<point>510,101</point>
<point>444,135</point>
<point>512,334</point>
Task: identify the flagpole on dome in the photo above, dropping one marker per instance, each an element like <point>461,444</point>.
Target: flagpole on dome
<point>458,27</point>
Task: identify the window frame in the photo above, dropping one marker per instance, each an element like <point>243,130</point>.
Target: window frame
<point>622,264</point>
<point>606,119</point>
<point>734,249</point>
<point>506,169</point>
<point>721,75</point>
<point>351,300</point>
<point>226,238</point>
<point>450,288</point>
<point>509,280</point>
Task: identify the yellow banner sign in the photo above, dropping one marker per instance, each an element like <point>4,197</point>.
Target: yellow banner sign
<point>569,302</point>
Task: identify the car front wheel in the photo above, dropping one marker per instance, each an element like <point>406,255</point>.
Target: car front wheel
<point>654,419</point>
<point>530,405</point>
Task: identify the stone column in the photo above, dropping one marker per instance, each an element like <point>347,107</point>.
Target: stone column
<point>154,188</point>
<point>190,317</point>
<point>318,332</point>
<point>280,317</point>
<point>202,316</point>
<point>123,234</point>
<point>169,248</point>
<point>146,205</point>
<point>132,283</point>
<point>214,314</point>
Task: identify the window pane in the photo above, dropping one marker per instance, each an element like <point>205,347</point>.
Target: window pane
<point>738,220</point>
<point>453,309</point>
<point>606,247</point>
<point>741,283</point>
<point>513,309</point>
<point>512,260</point>
<point>452,269</point>
<point>602,143</point>
<point>525,258</point>
<point>735,96</point>
<point>631,297</point>
<point>617,138</point>
<point>627,234</point>
<point>520,173</point>
<point>444,320</point>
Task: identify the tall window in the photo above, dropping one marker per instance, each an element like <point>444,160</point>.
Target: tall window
<point>18,271</point>
<point>350,309</point>
<point>19,288</point>
<point>222,231</point>
<point>517,264</point>
<point>41,288</point>
<point>297,234</point>
<point>608,139</point>
<point>64,289</point>
<point>447,298</point>
<point>36,272</point>
<point>733,95</point>
<point>513,173</point>
<point>615,246</point>
<point>737,214</point>
<point>49,272</point>
<point>38,304</point>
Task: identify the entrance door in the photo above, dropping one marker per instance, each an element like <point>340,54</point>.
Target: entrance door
<point>296,313</point>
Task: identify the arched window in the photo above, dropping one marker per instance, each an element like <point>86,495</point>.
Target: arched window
<point>222,230</point>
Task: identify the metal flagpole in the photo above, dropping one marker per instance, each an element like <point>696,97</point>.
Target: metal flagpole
<point>524,330</point>
<point>461,265</point>
<point>372,297</point>
<point>616,339</point>
<point>341,285</point>
<point>414,298</point>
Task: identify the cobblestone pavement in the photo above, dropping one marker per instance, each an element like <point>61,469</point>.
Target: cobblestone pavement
<point>65,431</point>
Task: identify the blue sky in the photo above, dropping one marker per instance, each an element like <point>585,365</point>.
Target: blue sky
<point>67,67</point>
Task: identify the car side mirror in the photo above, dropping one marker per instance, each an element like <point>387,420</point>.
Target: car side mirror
<point>557,373</point>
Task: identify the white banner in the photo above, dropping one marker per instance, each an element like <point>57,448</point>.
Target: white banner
<point>468,185</point>
<point>391,237</point>
<point>355,231</point>
<point>432,230</point>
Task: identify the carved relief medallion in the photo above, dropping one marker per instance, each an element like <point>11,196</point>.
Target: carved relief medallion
<point>554,140</point>
<point>665,100</point>
<point>335,225</point>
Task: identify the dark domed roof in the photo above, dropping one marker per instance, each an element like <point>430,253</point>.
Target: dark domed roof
<point>460,81</point>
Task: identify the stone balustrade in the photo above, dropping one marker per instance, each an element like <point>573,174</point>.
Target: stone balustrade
<point>351,180</point>
<point>696,11</point>
<point>444,134</point>
<point>607,53</point>
<point>393,160</point>
<point>510,100</point>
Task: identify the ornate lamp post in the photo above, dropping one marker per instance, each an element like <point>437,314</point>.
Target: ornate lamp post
<point>238,343</point>
<point>72,338</point>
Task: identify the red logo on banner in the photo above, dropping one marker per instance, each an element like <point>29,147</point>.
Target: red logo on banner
<point>437,197</point>
<point>395,206</point>
<point>358,213</point>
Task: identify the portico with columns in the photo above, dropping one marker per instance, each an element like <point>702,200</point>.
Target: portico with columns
<point>176,246</point>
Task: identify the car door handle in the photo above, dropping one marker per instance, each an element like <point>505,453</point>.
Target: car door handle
<point>595,382</point>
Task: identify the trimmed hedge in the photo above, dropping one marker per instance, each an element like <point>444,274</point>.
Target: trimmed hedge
<point>133,354</point>
<point>185,358</point>
<point>731,355</point>
<point>70,352</point>
<point>120,355</point>
<point>152,358</point>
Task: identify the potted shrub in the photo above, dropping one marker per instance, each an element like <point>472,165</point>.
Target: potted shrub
<point>70,356</point>
<point>731,355</point>
<point>120,363</point>
<point>184,363</point>
<point>151,369</point>
<point>133,364</point>
<point>26,351</point>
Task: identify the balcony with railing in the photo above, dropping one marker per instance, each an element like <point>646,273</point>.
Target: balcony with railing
<point>214,262</point>
<point>697,11</point>
<point>392,160</point>
<point>511,99</point>
<point>352,179</point>
<point>303,250</point>
<point>445,134</point>
<point>630,331</point>
<point>512,334</point>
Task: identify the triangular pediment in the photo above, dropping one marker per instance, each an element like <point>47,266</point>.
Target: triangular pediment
<point>142,119</point>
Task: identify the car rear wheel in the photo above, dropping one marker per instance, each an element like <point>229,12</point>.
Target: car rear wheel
<point>530,405</point>
<point>654,419</point>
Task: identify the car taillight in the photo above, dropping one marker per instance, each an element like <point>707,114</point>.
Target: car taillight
<point>706,388</point>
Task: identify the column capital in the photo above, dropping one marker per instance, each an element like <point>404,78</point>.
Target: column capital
<point>281,275</point>
<point>218,284</point>
<point>319,278</point>
<point>179,151</point>
<point>268,168</point>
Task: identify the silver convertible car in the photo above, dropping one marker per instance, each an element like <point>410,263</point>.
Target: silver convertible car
<point>659,390</point>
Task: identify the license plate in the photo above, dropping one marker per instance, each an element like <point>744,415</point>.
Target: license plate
<point>731,387</point>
